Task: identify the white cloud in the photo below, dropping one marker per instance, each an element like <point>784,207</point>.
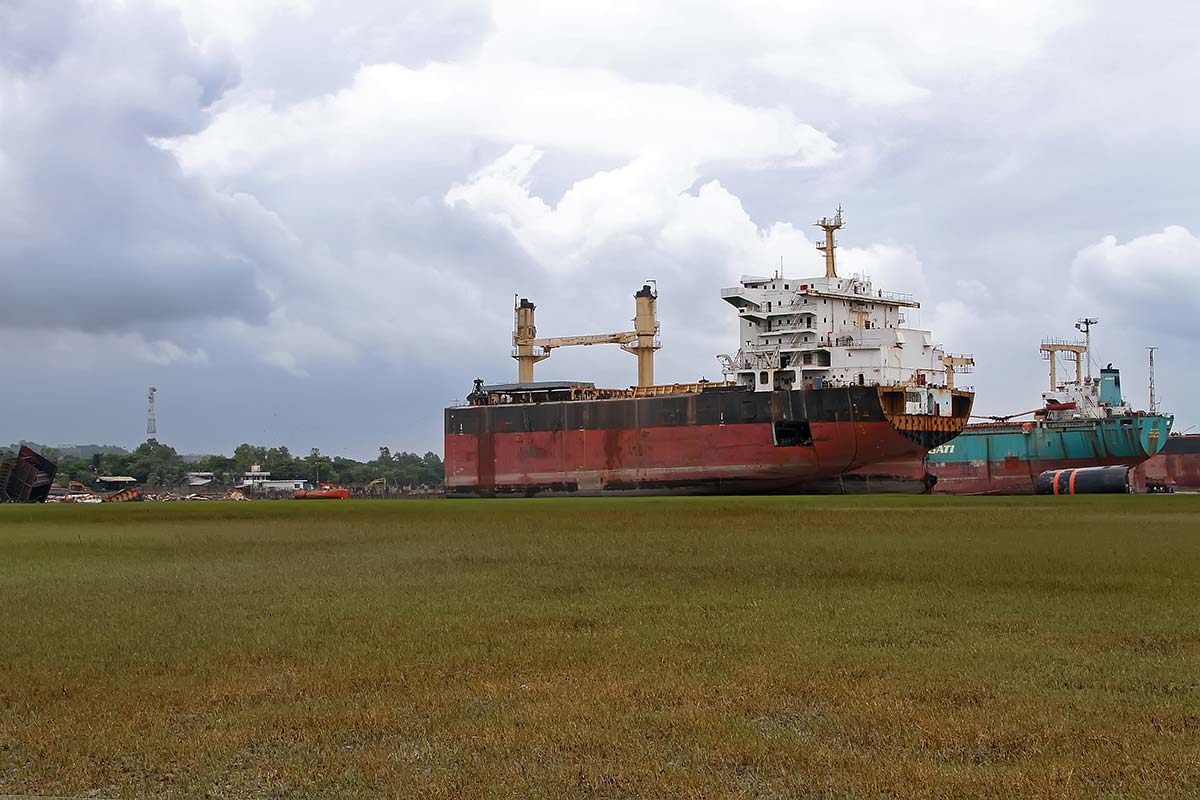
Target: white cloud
<point>872,53</point>
<point>645,204</point>
<point>234,21</point>
<point>392,112</point>
<point>643,220</point>
<point>1151,281</point>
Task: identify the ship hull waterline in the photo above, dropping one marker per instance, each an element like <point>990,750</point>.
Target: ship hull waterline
<point>723,443</point>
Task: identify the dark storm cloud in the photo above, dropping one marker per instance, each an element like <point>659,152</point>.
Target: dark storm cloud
<point>301,238</point>
<point>102,230</point>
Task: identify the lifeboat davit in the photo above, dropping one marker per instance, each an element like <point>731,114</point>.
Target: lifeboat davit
<point>1051,405</point>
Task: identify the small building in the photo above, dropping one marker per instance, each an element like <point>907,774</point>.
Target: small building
<point>282,485</point>
<point>115,483</point>
<point>198,478</point>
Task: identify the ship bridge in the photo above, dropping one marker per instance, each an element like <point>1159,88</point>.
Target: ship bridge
<point>828,330</point>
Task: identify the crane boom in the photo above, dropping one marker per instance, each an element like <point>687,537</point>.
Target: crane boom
<point>956,363</point>
<point>572,341</point>
<point>642,341</point>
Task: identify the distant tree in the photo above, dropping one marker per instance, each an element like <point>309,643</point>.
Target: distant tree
<point>74,469</point>
<point>157,464</point>
<point>347,470</point>
<point>435,471</point>
<point>280,463</point>
<point>115,463</point>
<point>317,466</point>
<point>246,455</point>
<point>223,468</point>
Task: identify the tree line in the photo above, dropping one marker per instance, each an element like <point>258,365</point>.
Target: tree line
<point>158,464</point>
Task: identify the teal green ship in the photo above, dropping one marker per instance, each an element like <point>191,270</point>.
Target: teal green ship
<point>1082,423</point>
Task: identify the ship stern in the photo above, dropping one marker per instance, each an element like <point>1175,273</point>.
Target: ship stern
<point>921,419</point>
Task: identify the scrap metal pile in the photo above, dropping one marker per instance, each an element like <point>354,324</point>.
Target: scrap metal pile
<point>26,477</point>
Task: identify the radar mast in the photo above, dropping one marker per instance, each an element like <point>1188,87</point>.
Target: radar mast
<point>828,246</point>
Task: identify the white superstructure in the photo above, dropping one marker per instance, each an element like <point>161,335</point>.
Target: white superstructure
<point>1085,397</point>
<point>799,333</point>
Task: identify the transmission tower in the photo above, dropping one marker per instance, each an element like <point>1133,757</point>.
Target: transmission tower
<point>151,427</point>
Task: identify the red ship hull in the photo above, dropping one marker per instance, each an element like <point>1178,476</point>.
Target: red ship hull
<point>1177,465</point>
<point>700,443</point>
<point>912,475</point>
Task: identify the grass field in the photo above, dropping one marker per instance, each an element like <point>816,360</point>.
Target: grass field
<point>750,647</point>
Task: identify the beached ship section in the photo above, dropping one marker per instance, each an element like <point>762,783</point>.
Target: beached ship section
<point>1176,467</point>
<point>1082,422</point>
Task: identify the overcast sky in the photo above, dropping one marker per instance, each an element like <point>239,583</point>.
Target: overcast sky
<point>305,221</point>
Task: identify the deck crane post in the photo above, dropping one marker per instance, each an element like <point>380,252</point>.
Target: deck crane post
<point>956,362</point>
<point>642,341</point>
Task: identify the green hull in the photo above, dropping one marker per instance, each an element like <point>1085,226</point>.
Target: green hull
<point>1006,457</point>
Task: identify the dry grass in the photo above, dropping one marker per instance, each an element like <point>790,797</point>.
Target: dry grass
<point>758,647</point>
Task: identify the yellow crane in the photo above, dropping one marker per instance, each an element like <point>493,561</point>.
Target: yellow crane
<point>1071,351</point>
<point>955,363</point>
<point>642,341</point>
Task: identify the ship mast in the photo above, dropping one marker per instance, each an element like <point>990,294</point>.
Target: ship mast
<point>1085,325</point>
<point>827,247</point>
<point>1153,403</point>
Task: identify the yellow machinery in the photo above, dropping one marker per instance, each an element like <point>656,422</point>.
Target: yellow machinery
<point>955,363</point>
<point>1072,351</point>
<point>642,341</point>
<point>827,247</point>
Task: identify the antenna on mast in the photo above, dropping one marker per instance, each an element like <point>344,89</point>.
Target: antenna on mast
<point>1153,402</point>
<point>827,247</point>
<point>151,425</point>
<point>1085,324</point>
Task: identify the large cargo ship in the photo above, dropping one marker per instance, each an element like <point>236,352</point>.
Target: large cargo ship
<point>1081,423</point>
<point>827,378</point>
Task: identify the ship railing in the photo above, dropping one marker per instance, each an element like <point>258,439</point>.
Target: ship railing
<point>861,285</point>
<point>676,388</point>
<point>837,341</point>
<point>1064,342</point>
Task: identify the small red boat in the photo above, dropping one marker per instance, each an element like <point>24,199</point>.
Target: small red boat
<point>324,493</point>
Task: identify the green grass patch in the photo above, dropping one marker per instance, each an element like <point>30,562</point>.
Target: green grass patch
<point>751,647</point>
